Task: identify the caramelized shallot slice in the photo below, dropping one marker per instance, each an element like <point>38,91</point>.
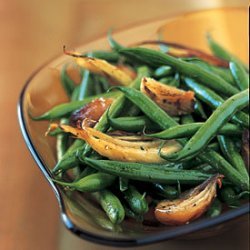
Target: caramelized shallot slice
<point>173,100</point>
<point>190,205</point>
<point>123,150</point>
<point>101,67</point>
<point>90,114</point>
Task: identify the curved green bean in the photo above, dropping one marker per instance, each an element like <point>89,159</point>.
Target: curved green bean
<point>186,119</point>
<point>187,130</point>
<point>210,128</point>
<point>163,71</point>
<point>67,83</point>
<point>166,191</point>
<point>91,183</point>
<point>199,110</point>
<point>132,124</point>
<point>111,205</point>
<point>232,155</point>
<point>85,90</point>
<point>240,75</point>
<point>115,46</point>
<point>219,163</point>
<point>215,209</point>
<point>148,172</point>
<point>221,52</point>
<point>62,141</point>
<point>214,101</point>
<point>229,196</point>
<point>157,58</point>
<point>222,72</point>
<point>135,200</point>
<point>148,107</point>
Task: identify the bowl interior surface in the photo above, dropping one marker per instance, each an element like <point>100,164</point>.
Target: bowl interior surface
<point>43,91</point>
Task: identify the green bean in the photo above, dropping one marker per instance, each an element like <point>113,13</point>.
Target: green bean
<point>69,159</point>
<point>115,46</point>
<point>62,141</point>
<point>214,146</point>
<point>123,184</point>
<point>82,206</point>
<point>232,155</point>
<point>87,171</point>
<point>75,93</point>
<point>214,101</point>
<point>166,80</point>
<point>205,168</point>
<point>215,209</point>
<point>65,109</point>
<point>91,183</point>
<point>240,75</point>
<point>186,119</point>
<point>171,80</point>
<point>62,138</point>
<point>111,205</point>
<point>187,130</point>
<point>97,86</point>
<point>158,58</point>
<point>104,84</point>
<point>205,94</point>
<point>222,72</point>
<point>148,172</point>
<point>210,128</point>
<point>215,160</point>
<point>110,56</point>
<point>175,82</point>
<point>132,124</point>
<point>85,84</point>
<point>76,169</point>
<point>131,214</point>
<point>135,200</point>
<point>229,196</point>
<point>55,132</point>
<point>67,83</point>
<point>166,191</point>
<point>132,111</point>
<point>129,109</point>
<point>190,164</point>
<point>163,71</point>
<point>149,107</point>
<point>198,109</point>
<point>221,52</point>
<point>156,114</point>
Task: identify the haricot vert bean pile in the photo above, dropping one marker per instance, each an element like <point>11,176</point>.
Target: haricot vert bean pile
<point>151,131</point>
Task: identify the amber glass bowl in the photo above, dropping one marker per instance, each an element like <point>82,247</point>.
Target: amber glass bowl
<point>43,91</point>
